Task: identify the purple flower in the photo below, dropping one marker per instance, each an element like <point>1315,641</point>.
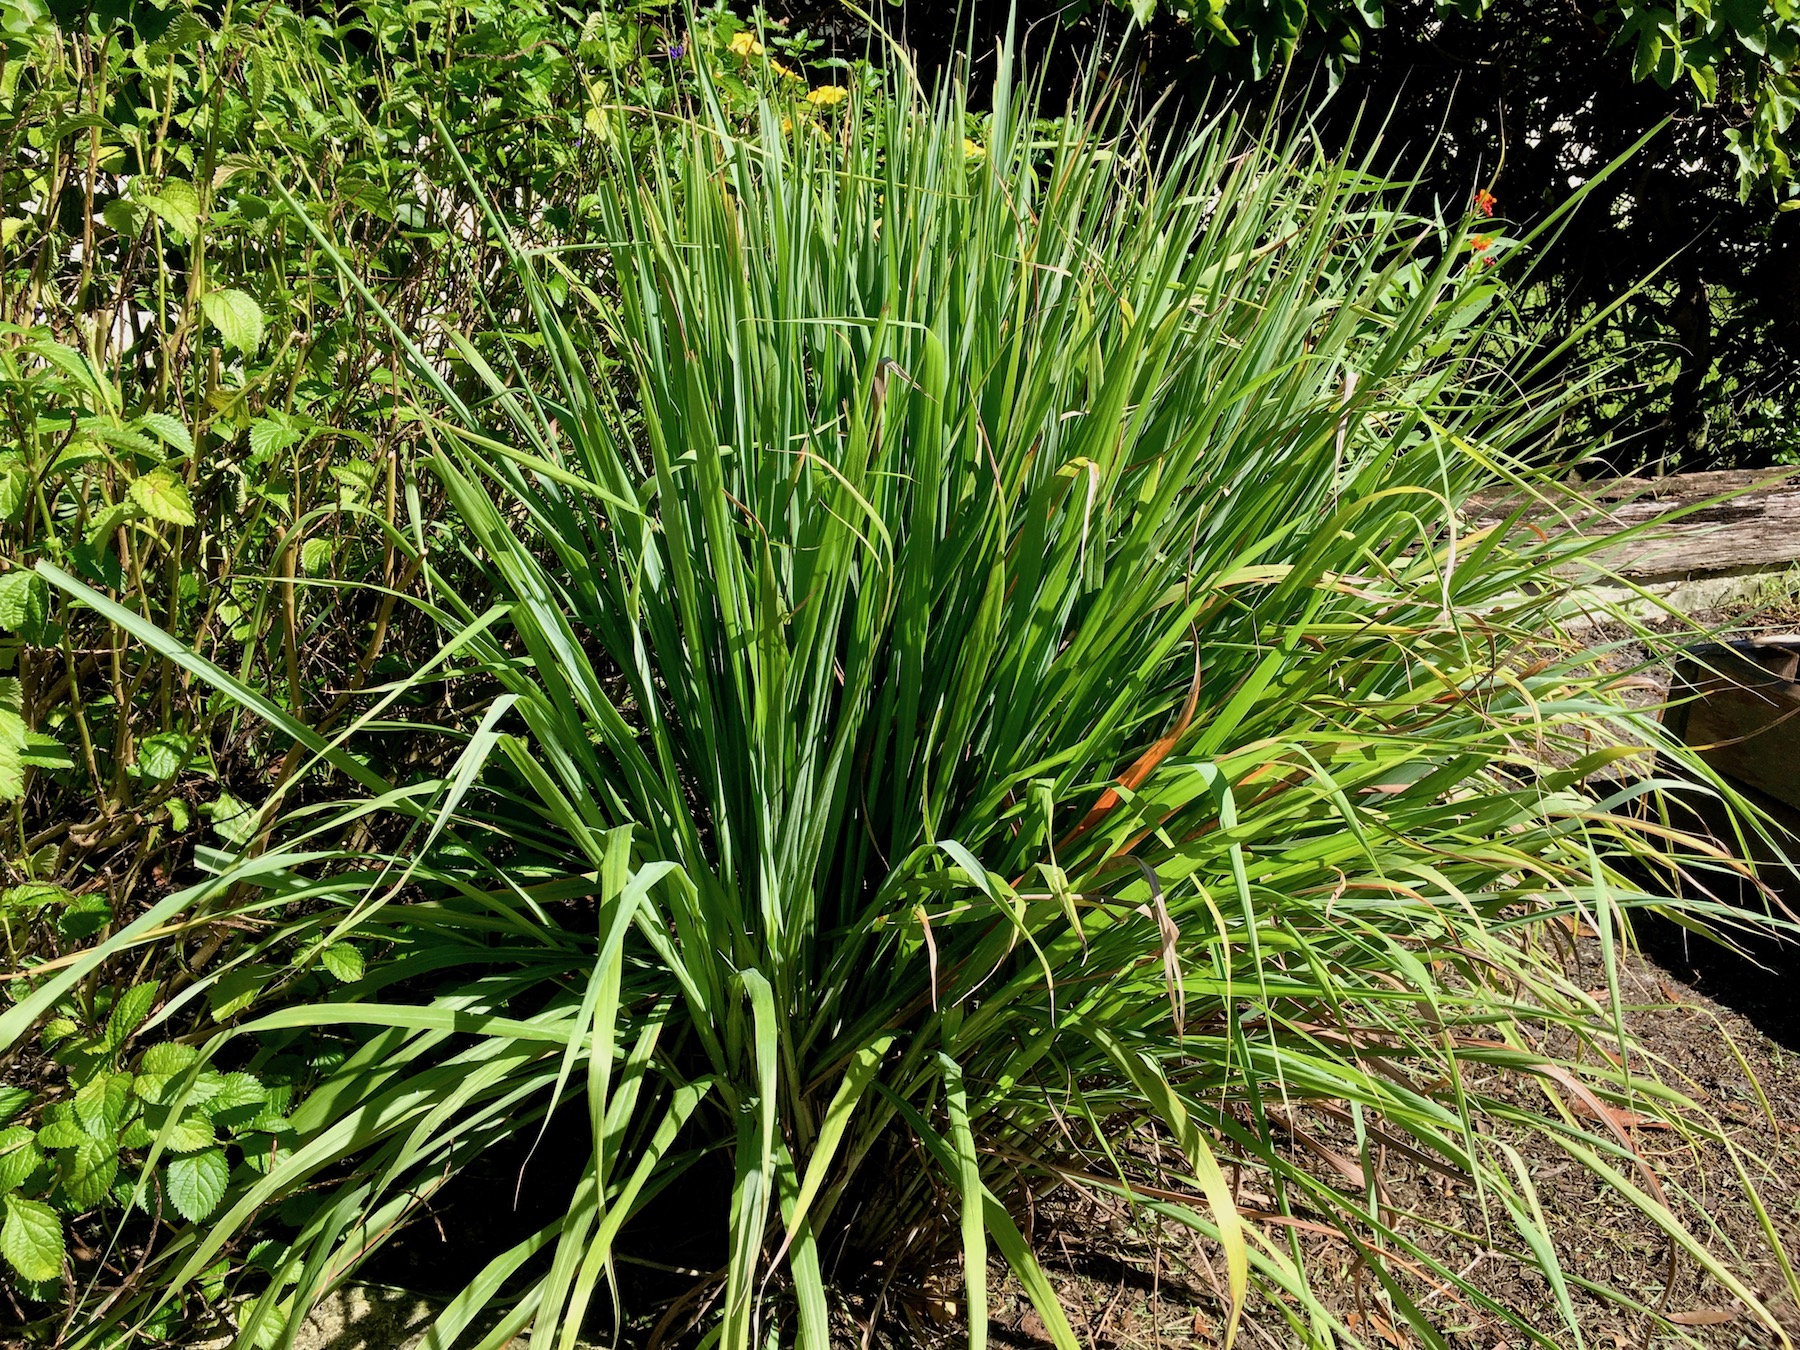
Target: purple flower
<point>677,50</point>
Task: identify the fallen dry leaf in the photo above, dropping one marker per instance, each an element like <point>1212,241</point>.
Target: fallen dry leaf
<point>1704,1317</point>
<point>1032,1327</point>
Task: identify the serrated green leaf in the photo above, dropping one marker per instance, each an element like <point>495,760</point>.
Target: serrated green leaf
<point>236,1091</point>
<point>61,1134</point>
<point>59,1029</point>
<point>107,519</point>
<point>13,1100</point>
<point>45,752</point>
<point>121,438</point>
<point>197,1183</point>
<point>177,204</point>
<point>27,898</point>
<point>232,820</point>
<point>19,1166</point>
<point>167,1057</point>
<point>191,1132</point>
<point>235,990</point>
<point>88,1170</point>
<point>19,1156</point>
<point>15,491</point>
<point>316,555</point>
<point>100,1103</point>
<point>124,217</point>
<point>160,756</point>
<point>90,1104</point>
<point>24,604</point>
<point>74,365</point>
<point>270,437</point>
<point>12,758</point>
<point>84,916</point>
<point>237,316</point>
<point>160,495</point>
<point>172,431</point>
<point>128,1013</point>
<point>342,960</point>
<point>32,1239</point>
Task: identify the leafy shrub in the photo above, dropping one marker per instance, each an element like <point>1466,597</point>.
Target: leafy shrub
<point>161,1138</point>
<point>998,670</point>
<point>199,421</point>
<point>1740,56</point>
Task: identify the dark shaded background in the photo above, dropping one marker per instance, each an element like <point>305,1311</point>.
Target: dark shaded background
<point>1529,101</point>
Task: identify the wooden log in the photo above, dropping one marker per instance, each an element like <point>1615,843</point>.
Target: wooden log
<point>1756,529</point>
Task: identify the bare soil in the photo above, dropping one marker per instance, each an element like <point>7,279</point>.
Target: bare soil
<point>1130,1284</point>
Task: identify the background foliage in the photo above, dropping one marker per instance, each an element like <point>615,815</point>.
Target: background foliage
<point>201,419</point>
<point>1527,99</point>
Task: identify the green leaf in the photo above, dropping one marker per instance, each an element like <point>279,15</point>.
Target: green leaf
<point>342,960</point>
<point>193,1131</point>
<point>236,1092</point>
<point>88,1170</point>
<point>160,756</point>
<point>236,990</point>
<point>177,204</point>
<point>28,897</point>
<point>45,752</point>
<point>172,431</point>
<point>232,820</point>
<point>61,1134</point>
<point>316,554</point>
<point>19,1156</point>
<point>167,1058</point>
<point>15,491</point>
<point>197,1183</point>
<point>101,1101</point>
<point>124,217</point>
<point>32,1239</point>
<point>13,1100</point>
<point>237,316</point>
<point>84,916</point>
<point>269,437</point>
<point>160,495</point>
<point>128,1013</point>
<point>24,604</point>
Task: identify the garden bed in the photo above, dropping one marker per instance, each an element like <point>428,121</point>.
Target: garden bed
<point>1131,1285</point>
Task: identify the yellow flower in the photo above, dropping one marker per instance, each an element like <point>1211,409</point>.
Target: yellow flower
<point>972,150</point>
<point>745,44</point>
<point>828,95</point>
<point>787,125</point>
<point>783,71</point>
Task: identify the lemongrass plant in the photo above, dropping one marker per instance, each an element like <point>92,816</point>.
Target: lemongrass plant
<point>986,678</point>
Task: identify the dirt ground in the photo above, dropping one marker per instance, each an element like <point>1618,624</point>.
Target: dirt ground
<point>1130,1285</point>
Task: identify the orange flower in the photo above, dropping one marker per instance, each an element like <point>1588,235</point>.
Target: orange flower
<point>1484,202</point>
<point>1481,243</point>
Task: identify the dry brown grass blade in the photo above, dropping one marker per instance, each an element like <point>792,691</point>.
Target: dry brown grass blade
<point>1145,763</point>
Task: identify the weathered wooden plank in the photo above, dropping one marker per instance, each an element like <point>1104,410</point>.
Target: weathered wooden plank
<point>1756,530</point>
